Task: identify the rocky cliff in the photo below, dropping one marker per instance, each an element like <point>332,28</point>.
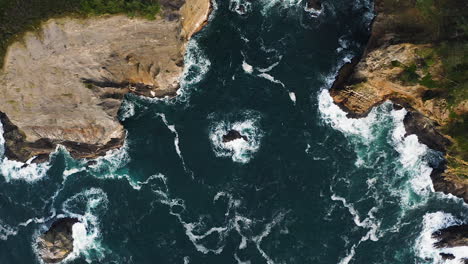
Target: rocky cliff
<point>416,57</point>
<point>64,83</point>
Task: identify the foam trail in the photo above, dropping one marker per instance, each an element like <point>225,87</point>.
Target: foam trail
<point>176,142</point>
<point>369,222</point>
<point>198,231</point>
<point>270,78</point>
<point>271,67</point>
<point>258,239</point>
<point>2,141</point>
<point>247,67</point>
<point>424,246</point>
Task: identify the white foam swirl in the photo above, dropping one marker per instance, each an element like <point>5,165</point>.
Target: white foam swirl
<point>86,233</point>
<point>239,150</point>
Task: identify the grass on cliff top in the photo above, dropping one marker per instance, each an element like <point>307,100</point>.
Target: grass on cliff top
<point>19,16</point>
<point>452,85</point>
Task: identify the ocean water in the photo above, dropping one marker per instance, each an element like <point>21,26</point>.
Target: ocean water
<point>309,186</point>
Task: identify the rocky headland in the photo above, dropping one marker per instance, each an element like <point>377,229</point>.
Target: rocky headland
<point>416,57</point>
<point>64,83</point>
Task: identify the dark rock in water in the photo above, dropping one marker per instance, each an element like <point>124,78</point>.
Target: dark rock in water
<point>453,236</point>
<point>57,243</point>
<point>91,163</point>
<point>315,4</point>
<point>424,128</point>
<point>233,135</point>
<point>446,256</point>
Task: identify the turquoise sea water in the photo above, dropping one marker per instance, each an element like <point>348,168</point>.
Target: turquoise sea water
<point>309,186</point>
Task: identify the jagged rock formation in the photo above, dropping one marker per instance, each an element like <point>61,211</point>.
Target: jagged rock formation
<point>453,236</point>
<point>64,83</point>
<point>403,63</point>
<point>57,243</point>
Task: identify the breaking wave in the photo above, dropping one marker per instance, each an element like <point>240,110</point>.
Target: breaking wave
<point>424,246</point>
<point>197,65</point>
<point>87,206</point>
<point>14,170</point>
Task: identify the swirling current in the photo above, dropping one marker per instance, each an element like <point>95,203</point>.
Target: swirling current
<point>309,185</point>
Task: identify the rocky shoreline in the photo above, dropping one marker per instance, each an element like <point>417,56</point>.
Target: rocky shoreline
<point>403,62</point>
<point>399,64</point>
<point>64,84</point>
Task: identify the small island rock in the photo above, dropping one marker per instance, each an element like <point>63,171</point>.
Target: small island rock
<point>57,243</point>
<point>233,135</point>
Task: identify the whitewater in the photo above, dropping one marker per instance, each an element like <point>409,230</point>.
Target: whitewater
<point>307,185</point>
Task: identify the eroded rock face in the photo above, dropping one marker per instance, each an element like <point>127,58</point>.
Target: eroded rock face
<point>393,67</point>
<point>233,135</point>
<point>65,83</point>
<point>57,243</point>
<point>453,236</point>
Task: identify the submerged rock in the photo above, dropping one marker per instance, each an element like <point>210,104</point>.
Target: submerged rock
<point>315,4</point>
<point>57,243</point>
<point>233,135</point>
<point>446,256</point>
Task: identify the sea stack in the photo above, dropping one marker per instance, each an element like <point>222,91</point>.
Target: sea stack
<point>233,135</point>
<point>57,243</point>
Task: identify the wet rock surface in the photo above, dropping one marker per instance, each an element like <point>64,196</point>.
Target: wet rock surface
<point>398,36</point>
<point>57,243</point>
<point>233,135</point>
<point>453,236</point>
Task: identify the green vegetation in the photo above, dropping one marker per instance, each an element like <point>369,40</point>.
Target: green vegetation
<point>19,16</point>
<point>457,129</point>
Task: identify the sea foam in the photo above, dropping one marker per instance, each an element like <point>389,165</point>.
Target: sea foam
<point>86,233</point>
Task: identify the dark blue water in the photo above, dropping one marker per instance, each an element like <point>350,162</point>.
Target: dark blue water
<point>309,185</point>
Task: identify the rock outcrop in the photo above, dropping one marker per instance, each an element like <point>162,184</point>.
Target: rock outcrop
<point>64,84</point>
<point>453,236</point>
<point>403,63</point>
<point>450,237</point>
<point>57,243</point>
<point>233,135</point>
